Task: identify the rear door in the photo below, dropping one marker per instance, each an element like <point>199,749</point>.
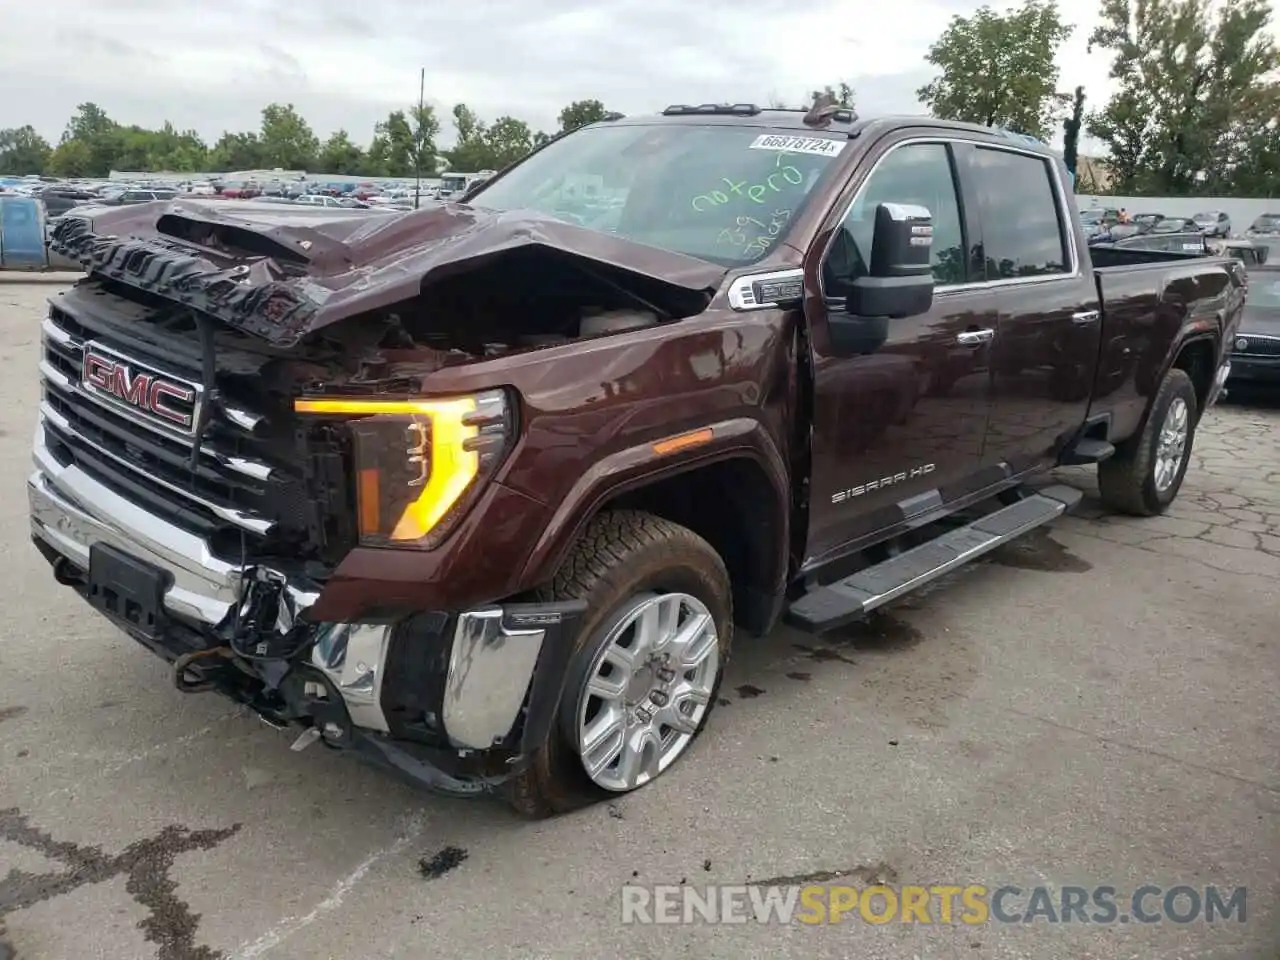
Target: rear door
<point>1050,318</point>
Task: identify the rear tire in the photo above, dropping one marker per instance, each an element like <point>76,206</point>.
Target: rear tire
<point>623,561</point>
<point>1146,472</point>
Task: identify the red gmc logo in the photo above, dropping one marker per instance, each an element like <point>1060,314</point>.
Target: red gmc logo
<point>167,400</point>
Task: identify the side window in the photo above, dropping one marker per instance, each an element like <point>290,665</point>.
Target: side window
<point>919,173</point>
<point>1022,233</point>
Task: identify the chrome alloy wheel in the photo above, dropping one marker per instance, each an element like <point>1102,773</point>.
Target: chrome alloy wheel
<point>1171,445</point>
<point>647,690</point>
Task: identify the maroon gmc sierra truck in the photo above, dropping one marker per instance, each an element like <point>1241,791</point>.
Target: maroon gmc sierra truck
<point>482,492</point>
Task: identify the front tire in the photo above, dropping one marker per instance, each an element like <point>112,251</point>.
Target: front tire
<point>647,665</point>
<point>1146,472</point>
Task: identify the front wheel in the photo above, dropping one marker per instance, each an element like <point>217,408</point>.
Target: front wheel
<point>1146,472</point>
<point>646,666</point>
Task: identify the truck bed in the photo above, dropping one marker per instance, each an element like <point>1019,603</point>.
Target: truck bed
<point>1113,258</point>
<point>1149,297</point>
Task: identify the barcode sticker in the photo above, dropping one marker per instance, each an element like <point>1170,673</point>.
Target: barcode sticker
<point>819,146</point>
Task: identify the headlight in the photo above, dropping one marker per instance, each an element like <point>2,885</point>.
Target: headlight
<point>418,463</point>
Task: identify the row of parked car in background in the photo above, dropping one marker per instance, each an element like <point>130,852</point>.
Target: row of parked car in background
<point>1109,225</point>
<point>1209,232</point>
<point>60,196</point>
<point>1255,353</point>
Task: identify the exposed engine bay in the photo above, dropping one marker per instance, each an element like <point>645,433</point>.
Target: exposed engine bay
<point>487,313</point>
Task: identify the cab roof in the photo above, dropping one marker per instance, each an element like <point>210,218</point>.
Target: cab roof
<point>843,120</point>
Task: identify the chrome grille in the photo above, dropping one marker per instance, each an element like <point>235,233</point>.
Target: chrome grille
<point>1255,345</point>
<point>246,481</point>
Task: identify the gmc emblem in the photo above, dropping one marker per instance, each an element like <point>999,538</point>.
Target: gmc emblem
<point>172,403</point>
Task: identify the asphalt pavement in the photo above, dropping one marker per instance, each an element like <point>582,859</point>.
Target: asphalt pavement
<point>1095,706</point>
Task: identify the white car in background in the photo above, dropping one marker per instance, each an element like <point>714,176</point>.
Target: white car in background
<point>1214,223</point>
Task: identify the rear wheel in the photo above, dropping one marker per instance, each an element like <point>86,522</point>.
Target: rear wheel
<point>1146,472</point>
<point>647,662</point>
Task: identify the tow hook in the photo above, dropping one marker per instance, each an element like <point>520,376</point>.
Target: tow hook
<point>189,680</point>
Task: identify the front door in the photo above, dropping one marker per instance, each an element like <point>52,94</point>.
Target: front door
<point>898,428</point>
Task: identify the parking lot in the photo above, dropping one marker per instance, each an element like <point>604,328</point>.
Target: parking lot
<point>1095,706</point>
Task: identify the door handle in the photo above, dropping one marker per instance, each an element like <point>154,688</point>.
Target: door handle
<point>1085,317</point>
<point>975,338</point>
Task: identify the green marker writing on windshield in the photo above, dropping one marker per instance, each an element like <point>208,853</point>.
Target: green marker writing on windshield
<point>756,192</point>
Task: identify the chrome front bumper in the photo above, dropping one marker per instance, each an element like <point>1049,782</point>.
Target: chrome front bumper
<point>70,510</point>
<point>494,651</point>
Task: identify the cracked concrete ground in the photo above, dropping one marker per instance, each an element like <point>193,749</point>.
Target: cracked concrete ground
<point>1094,706</point>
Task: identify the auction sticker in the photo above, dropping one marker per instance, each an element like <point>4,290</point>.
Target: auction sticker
<point>821,146</point>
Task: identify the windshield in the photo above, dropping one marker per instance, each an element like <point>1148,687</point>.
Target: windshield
<point>450,184</point>
<point>725,194</point>
<point>1264,290</point>
<point>1266,222</point>
<point>1170,226</point>
<point>1205,217</point>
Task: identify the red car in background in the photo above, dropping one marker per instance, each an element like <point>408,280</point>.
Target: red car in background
<point>241,191</point>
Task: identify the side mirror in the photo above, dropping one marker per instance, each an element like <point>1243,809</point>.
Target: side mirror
<point>899,280</point>
<point>898,283</point>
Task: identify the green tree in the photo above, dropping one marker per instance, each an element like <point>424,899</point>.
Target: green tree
<point>402,141</point>
<point>1251,151</point>
<point>1071,131</point>
<point>1195,84</point>
<point>178,150</point>
<point>23,151</point>
<point>998,69</point>
<point>90,127</point>
<point>340,155</point>
<point>89,123</point>
<point>71,158</point>
<point>508,139</point>
<point>471,153</point>
<point>392,147</point>
<point>166,149</point>
<point>237,151</point>
<point>287,140</point>
<point>426,127</point>
<point>580,113</point>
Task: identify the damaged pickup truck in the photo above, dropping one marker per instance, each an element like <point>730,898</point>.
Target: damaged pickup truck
<point>483,491</point>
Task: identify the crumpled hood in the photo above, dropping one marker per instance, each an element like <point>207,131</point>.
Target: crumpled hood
<point>283,271</point>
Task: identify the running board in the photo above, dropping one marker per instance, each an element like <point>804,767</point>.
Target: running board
<point>848,600</point>
<point>1086,451</point>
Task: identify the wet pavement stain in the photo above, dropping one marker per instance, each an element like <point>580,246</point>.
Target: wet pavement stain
<point>747,691</point>
<point>822,654</point>
<point>877,873</point>
<point>879,632</point>
<point>11,713</point>
<point>145,863</point>
<point>723,701</point>
<point>1040,553</point>
<point>444,860</point>
<point>798,675</point>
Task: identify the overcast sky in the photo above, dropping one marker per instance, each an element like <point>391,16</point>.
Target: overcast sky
<point>214,65</point>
